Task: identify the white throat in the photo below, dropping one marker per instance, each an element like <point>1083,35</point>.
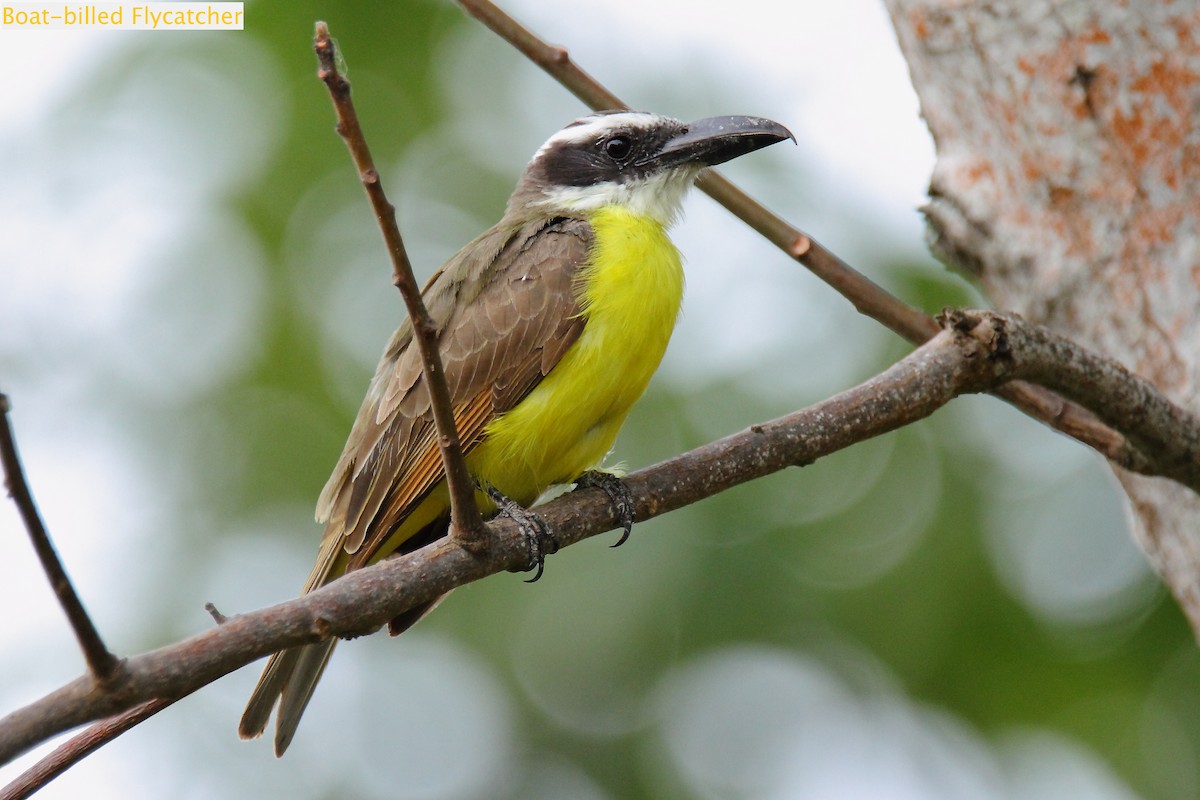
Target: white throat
<point>658,197</point>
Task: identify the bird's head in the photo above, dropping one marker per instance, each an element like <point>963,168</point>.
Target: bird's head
<point>644,162</point>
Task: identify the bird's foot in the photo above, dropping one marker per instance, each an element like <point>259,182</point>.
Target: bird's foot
<point>537,533</point>
<point>618,495</point>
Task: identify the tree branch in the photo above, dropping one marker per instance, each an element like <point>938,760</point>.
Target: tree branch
<point>102,663</point>
<point>1120,398</point>
<point>78,748</point>
<point>467,525</point>
<point>868,297</point>
<point>976,352</point>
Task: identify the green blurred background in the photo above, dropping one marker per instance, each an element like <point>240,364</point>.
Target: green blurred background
<point>192,298</point>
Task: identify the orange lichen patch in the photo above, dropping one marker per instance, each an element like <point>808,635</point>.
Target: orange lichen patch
<point>919,23</point>
<point>1159,119</point>
<point>1190,162</point>
<point>1061,196</point>
<point>1130,130</point>
<point>979,169</point>
<point>1002,107</point>
<point>1095,35</point>
<point>1140,247</point>
<point>1060,76</point>
<point>1068,221</point>
<point>1171,179</point>
<point>1031,168</point>
<point>1182,26</point>
<point>1172,82</point>
<point>1020,217</point>
<point>1161,224</point>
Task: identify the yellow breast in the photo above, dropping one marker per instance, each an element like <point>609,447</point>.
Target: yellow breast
<point>630,295</point>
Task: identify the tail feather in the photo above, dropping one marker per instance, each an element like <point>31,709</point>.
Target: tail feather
<point>291,675</point>
<point>266,692</point>
<point>289,678</point>
<point>298,690</point>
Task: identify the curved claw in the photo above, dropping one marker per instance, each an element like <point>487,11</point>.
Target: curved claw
<point>540,567</point>
<point>618,494</point>
<point>533,528</point>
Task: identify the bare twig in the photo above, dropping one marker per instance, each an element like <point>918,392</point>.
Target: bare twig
<point>78,748</point>
<point>102,664</point>
<point>467,528</point>
<point>977,352</point>
<point>867,296</point>
<point>1120,398</point>
<point>215,613</point>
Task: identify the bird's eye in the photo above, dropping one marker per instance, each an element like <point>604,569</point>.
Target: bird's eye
<point>617,147</point>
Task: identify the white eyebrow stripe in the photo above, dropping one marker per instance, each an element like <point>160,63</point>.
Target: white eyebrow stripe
<point>589,128</point>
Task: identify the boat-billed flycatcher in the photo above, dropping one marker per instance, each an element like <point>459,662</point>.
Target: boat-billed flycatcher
<point>550,326</point>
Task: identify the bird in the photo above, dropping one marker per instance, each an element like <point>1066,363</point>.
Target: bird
<point>550,325</point>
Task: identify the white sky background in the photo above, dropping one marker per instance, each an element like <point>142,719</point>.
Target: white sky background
<point>831,71</point>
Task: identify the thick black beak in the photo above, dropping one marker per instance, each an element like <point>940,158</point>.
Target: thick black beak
<point>716,140</point>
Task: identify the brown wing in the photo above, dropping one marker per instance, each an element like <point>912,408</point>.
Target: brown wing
<point>507,311</point>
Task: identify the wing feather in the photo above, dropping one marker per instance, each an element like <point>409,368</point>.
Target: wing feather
<point>504,321</point>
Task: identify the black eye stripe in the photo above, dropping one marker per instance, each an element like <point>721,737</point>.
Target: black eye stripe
<point>613,156</point>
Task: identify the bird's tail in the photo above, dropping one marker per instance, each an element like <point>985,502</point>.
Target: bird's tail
<point>290,677</point>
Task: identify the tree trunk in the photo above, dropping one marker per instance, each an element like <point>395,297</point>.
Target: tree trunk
<point>1068,184</point>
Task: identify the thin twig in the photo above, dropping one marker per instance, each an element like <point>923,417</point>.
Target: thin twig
<point>215,613</point>
<point>467,528</point>
<point>867,296</point>
<point>102,663</point>
<point>78,748</point>
<point>967,357</point>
